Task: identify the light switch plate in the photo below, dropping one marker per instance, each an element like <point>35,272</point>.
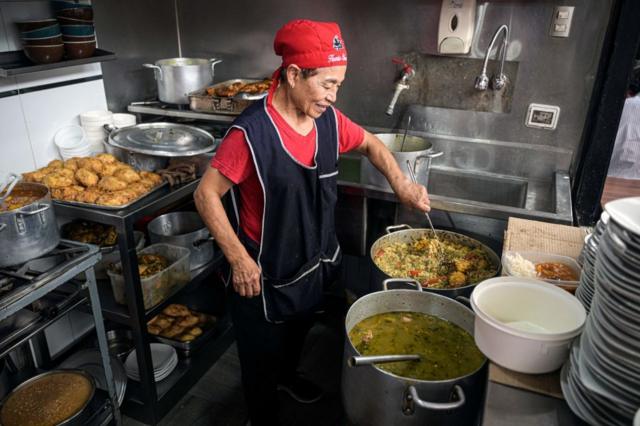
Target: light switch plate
<point>561,21</point>
<point>541,116</point>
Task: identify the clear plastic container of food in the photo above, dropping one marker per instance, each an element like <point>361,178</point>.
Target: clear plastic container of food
<point>510,268</point>
<point>156,288</point>
<point>113,256</point>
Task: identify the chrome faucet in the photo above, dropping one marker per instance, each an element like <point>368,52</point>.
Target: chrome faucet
<point>499,81</point>
<point>402,84</point>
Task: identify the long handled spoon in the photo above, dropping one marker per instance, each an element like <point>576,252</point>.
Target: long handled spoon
<point>413,179</point>
<point>357,361</point>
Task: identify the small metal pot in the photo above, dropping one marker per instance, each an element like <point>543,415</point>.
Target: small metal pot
<point>407,234</point>
<point>374,397</point>
<point>184,229</point>
<point>30,231</point>
<point>418,151</point>
<point>177,77</point>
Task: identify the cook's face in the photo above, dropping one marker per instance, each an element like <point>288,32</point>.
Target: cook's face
<point>316,93</point>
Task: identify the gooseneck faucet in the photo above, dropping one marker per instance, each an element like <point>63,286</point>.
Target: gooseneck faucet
<point>499,81</point>
<point>402,84</point>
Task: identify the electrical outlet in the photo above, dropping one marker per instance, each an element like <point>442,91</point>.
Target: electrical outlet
<point>561,21</point>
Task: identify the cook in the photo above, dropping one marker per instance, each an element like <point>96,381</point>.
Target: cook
<point>280,158</point>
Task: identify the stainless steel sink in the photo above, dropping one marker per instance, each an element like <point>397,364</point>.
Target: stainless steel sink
<point>476,187</point>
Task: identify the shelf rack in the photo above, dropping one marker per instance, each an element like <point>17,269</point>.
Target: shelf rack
<point>16,62</point>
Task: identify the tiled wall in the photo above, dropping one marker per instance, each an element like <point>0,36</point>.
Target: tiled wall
<point>30,114</point>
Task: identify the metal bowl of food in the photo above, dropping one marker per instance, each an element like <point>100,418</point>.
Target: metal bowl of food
<point>451,265</point>
<point>57,397</point>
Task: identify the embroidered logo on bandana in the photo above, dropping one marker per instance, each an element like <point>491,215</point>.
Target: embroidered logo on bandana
<point>337,43</point>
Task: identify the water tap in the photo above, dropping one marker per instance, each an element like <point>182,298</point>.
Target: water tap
<point>407,73</point>
<point>500,80</point>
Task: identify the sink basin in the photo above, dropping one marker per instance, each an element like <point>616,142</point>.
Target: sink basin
<point>470,186</point>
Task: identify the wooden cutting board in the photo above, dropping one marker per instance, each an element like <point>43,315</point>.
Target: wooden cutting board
<point>531,235</point>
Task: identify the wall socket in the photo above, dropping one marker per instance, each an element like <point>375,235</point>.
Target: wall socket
<point>561,21</point>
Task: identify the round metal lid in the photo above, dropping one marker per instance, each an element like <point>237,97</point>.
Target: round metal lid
<point>163,139</point>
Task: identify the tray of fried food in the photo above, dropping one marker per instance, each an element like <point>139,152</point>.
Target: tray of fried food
<point>101,181</point>
<point>84,231</point>
<point>182,327</point>
<point>234,88</point>
<point>229,97</point>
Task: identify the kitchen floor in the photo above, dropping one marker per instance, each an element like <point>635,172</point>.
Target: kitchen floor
<point>217,398</point>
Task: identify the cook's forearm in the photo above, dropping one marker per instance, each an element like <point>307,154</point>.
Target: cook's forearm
<point>384,161</point>
<point>212,211</point>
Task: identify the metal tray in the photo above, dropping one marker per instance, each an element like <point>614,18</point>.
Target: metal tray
<point>201,101</point>
<point>123,206</point>
<point>188,348</point>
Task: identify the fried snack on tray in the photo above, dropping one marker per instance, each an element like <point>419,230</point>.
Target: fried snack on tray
<point>176,317</point>
<point>110,183</point>
<point>57,164</point>
<point>55,181</point>
<point>233,89</point>
<point>108,169</point>
<point>172,331</point>
<point>195,331</point>
<point>87,177</point>
<point>176,310</point>
<point>188,321</point>
<point>154,329</point>
<point>129,176</point>
<point>106,158</point>
<point>186,337</point>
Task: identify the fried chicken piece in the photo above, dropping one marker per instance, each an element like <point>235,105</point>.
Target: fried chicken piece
<point>228,91</point>
<point>148,184</point>
<point>36,176</point>
<point>71,193</point>
<point>106,158</point>
<point>176,310</point>
<point>186,337</point>
<point>87,177</point>
<point>172,331</point>
<point>65,172</point>
<point>153,177</point>
<point>137,188</point>
<point>92,164</point>
<point>108,169</point>
<point>129,176</point>
<point>154,329</point>
<point>55,164</point>
<point>188,321</point>
<point>195,331</point>
<point>55,180</point>
<point>89,195</point>
<point>113,199</point>
<point>57,193</point>
<point>73,166</point>
<point>110,183</point>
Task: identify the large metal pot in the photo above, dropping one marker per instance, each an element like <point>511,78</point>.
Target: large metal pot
<point>418,151</point>
<point>374,397</point>
<point>184,229</point>
<point>30,231</point>
<point>176,77</point>
<point>407,234</point>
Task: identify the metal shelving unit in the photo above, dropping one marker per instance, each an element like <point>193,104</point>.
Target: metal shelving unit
<point>159,109</point>
<point>16,62</point>
<point>25,294</point>
<point>146,400</point>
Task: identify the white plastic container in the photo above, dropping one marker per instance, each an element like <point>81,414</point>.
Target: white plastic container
<point>524,324</point>
<point>539,257</point>
<point>124,120</point>
<point>158,287</point>
<point>96,118</point>
<point>113,257</point>
<point>71,142</point>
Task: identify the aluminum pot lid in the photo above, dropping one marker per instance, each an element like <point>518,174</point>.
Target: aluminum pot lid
<point>163,139</point>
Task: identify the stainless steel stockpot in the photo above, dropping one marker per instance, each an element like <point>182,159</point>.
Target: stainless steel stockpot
<point>374,397</point>
<point>30,231</point>
<point>177,77</point>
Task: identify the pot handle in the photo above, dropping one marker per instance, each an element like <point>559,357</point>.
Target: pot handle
<point>198,243</point>
<point>2,226</point>
<point>385,283</point>
<point>394,228</point>
<point>41,208</point>
<point>213,62</point>
<point>464,300</point>
<point>411,399</point>
<point>157,71</point>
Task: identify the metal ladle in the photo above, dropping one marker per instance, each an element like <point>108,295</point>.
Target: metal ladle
<point>413,179</point>
<point>406,129</point>
<point>357,361</point>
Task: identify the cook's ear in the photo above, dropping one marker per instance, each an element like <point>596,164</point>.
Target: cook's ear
<point>293,74</point>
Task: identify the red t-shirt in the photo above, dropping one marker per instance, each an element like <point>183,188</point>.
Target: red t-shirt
<point>233,159</point>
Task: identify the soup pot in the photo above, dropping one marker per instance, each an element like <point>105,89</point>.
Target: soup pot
<point>30,231</point>
<point>177,77</point>
<point>418,151</point>
<point>406,234</point>
<point>184,229</point>
<point>374,397</point>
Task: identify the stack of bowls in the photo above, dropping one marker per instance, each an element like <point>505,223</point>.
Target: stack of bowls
<point>78,32</point>
<point>586,289</point>
<point>71,142</point>
<point>42,40</point>
<point>93,124</point>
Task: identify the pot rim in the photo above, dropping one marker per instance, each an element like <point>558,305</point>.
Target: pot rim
<point>198,62</point>
<point>411,380</point>
<point>46,197</point>
<point>492,255</point>
<point>188,234</point>
<point>428,148</point>
<point>51,372</point>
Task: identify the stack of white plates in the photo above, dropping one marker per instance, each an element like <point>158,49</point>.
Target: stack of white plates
<point>163,357</point>
<point>93,124</point>
<point>124,120</point>
<point>586,289</point>
<point>71,142</point>
<point>600,380</point>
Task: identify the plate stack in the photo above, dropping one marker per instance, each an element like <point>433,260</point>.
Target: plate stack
<point>163,357</point>
<point>600,380</point>
<point>93,124</point>
<point>587,258</point>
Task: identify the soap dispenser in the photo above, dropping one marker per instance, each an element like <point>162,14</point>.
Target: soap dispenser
<point>457,23</point>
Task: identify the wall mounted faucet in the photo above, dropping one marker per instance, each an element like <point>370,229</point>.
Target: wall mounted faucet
<point>407,73</point>
<point>500,80</point>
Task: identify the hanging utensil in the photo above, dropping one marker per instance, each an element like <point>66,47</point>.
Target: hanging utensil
<point>357,361</point>
<point>406,129</point>
<point>413,179</point>
<point>7,186</point>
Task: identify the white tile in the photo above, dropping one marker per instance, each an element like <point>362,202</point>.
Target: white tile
<point>46,111</point>
<point>14,143</point>
<point>58,75</point>
<point>21,11</point>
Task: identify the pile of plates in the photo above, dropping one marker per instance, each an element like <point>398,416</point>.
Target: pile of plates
<point>163,357</point>
<point>587,259</point>
<point>93,124</point>
<point>90,361</point>
<point>600,380</point>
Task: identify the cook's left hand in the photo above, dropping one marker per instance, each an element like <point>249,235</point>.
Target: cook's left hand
<point>414,195</point>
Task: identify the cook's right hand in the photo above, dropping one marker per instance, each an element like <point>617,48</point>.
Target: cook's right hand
<point>246,277</point>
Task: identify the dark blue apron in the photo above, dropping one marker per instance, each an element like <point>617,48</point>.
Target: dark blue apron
<point>299,250</point>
